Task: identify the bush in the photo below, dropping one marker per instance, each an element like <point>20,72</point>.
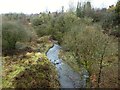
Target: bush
<point>34,71</point>
<point>42,30</point>
<point>87,44</point>
<point>12,32</point>
<point>89,47</point>
<point>41,24</point>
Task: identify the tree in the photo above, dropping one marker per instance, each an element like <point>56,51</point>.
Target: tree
<point>62,9</point>
<point>80,10</point>
<point>87,9</point>
<point>110,20</point>
<point>89,47</point>
<point>117,13</point>
<point>84,10</point>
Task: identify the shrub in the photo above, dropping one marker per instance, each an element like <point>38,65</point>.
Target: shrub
<point>89,47</point>
<point>42,30</point>
<point>11,33</point>
<point>87,44</point>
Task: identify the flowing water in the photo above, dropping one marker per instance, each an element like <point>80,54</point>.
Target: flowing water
<point>68,78</point>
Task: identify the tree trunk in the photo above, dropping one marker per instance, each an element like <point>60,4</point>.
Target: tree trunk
<point>100,69</point>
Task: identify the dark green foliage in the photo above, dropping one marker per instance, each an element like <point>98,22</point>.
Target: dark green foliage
<point>117,9</point>
<point>107,20</point>
<point>79,10</point>
<point>117,13</point>
<point>84,10</point>
<point>98,14</point>
<point>111,20</point>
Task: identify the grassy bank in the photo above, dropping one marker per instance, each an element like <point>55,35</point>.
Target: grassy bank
<point>30,68</point>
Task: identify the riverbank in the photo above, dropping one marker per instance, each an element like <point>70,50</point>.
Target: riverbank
<point>30,68</point>
<point>69,59</point>
<point>109,77</point>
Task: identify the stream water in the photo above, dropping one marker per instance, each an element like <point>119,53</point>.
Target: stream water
<point>68,78</point>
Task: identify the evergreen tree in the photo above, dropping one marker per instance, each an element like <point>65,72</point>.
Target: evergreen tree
<point>117,13</point>
<point>79,11</point>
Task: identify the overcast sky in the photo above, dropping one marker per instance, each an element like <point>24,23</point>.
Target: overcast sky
<point>37,6</point>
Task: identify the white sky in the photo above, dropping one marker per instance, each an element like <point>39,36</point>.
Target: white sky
<point>37,6</point>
